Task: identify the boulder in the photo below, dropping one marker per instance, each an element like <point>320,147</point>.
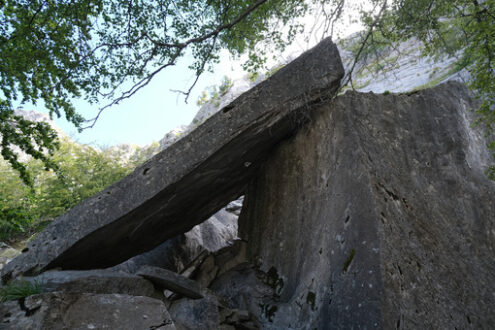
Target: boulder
<point>200,314</point>
<point>376,215</point>
<point>238,319</point>
<point>210,313</point>
<point>207,271</point>
<point>235,207</point>
<point>178,252</point>
<point>174,282</point>
<point>189,181</point>
<point>218,263</point>
<point>60,310</point>
<point>219,231</point>
<point>95,281</point>
<point>247,288</point>
<point>171,254</point>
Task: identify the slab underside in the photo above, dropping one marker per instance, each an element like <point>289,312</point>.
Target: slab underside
<point>189,181</point>
<point>378,215</point>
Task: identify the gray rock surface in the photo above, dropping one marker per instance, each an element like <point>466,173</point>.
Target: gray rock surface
<point>201,314</point>
<point>247,288</point>
<point>376,215</point>
<point>172,136</point>
<point>235,206</point>
<point>401,68</point>
<point>95,281</point>
<point>174,282</point>
<point>215,264</point>
<point>210,313</point>
<point>60,310</point>
<point>238,319</point>
<point>189,181</point>
<point>219,231</point>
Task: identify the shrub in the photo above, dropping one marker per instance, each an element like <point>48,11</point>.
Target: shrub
<point>85,172</point>
<point>14,220</point>
<point>215,93</point>
<point>19,289</point>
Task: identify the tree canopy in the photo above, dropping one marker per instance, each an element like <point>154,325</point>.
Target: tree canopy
<point>461,28</point>
<point>86,171</point>
<point>54,51</point>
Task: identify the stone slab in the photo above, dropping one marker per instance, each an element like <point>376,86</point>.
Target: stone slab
<point>189,181</point>
<point>62,310</point>
<point>169,280</point>
<point>94,281</point>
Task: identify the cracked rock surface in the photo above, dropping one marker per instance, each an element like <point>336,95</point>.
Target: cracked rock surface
<point>378,215</point>
<point>62,310</point>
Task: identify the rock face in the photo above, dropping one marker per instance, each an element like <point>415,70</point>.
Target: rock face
<point>94,281</point>
<point>189,181</point>
<point>377,215</point>
<point>197,314</point>
<point>401,68</point>
<point>85,311</point>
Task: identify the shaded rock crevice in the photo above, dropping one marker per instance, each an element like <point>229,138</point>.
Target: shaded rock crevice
<point>27,311</point>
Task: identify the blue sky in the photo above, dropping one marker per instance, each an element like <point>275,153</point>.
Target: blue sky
<point>152,112</point>
<point>155,109</point>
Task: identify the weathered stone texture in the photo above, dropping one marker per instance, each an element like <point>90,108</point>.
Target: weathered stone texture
<point>95,281</point>
<point>189,181</point>
<point>174,282</point>
<point>201,314</point>
<point>59,310</point>
<point>378,215</point>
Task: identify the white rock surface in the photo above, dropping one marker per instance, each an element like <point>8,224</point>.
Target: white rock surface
<point>402,69</point>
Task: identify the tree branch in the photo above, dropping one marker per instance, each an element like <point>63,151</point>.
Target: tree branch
<point>179,49</point>
<point>199,72</point>
<point>348,78</point>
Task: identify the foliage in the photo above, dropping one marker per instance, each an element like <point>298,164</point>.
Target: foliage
<point>14,220</point>
<point>374,45</point>
<point>214,93</point>
<point>41,43</point>
<point>490,172</point>
<point>259,76</point>
<point>107,50</point>
<point>84,172</point>
<point>464,28</point>
<point>19,289</point>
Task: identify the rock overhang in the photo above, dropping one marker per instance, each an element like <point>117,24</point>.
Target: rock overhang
<point>189,181</point>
